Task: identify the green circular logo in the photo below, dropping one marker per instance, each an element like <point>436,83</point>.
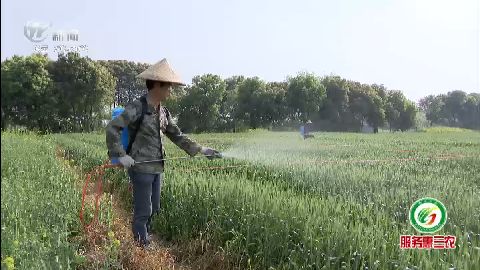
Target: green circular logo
<point>428,215</point>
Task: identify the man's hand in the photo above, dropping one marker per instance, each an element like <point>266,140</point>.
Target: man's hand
<point>126,161</point>
<point>210,153</point>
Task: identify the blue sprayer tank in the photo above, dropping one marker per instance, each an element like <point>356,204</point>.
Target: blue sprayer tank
<point>124,133</point>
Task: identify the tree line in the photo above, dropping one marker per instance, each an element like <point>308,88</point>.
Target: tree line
<point>455,109</point>
<point>67,95</point>
<point>76,94</point>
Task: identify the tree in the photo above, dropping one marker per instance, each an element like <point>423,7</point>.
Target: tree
<point>305,95</point>
<point>454,103</point>
<point>421,121</point>
<point>100,96</point>
<point>249,98</point>
<point>229,105</point>
<point>400,112</point>
<point>128,87</point>
<point>407,116</point>
<point>359,103</point>
<point>433,107</point>
<point>471,111</point>
<point>380,91</point>
<point>453,109</point>
<point>335,108</point>
<point>83,89</point>
<point>27,95</point>
<point>274,102</point>
<point>377,115</point>
<point>200,108</point>
<point>366,105</point>
<point>173,103</point>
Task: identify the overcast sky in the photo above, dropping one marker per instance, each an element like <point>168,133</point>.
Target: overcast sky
<point>418,46</point>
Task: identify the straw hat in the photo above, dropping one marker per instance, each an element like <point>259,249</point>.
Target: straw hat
<point>161,71</point>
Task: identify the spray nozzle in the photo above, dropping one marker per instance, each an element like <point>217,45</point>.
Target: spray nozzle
<point>215,154</point>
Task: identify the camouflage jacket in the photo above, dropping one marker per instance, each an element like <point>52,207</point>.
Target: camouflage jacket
<point>148,142</point>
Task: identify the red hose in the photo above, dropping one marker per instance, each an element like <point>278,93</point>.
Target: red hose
<point>97,172</point>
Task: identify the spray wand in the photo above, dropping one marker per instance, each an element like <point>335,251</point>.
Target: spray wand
<point>216,155</point>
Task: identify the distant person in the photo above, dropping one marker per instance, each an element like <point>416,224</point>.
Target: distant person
<point>147,121</point>
<point>305,130</point>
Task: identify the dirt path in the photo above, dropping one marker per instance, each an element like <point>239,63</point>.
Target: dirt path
<point>96,242</point>
<point>133,257</point>
<point>192,255</point>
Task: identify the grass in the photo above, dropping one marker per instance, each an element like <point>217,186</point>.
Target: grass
<point>441,129</point>
<point>339,200</point>
<point>39,205</point>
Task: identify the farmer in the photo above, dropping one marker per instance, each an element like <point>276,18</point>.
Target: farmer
<point>305,130</point>
<point>148,145</point>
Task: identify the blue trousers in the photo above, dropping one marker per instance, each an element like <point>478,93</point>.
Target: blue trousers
<point>146,202</point>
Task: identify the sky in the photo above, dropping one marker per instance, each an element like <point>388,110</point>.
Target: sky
<point>421,47</point>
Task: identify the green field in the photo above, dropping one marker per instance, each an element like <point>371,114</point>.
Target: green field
<point>337,201</point>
